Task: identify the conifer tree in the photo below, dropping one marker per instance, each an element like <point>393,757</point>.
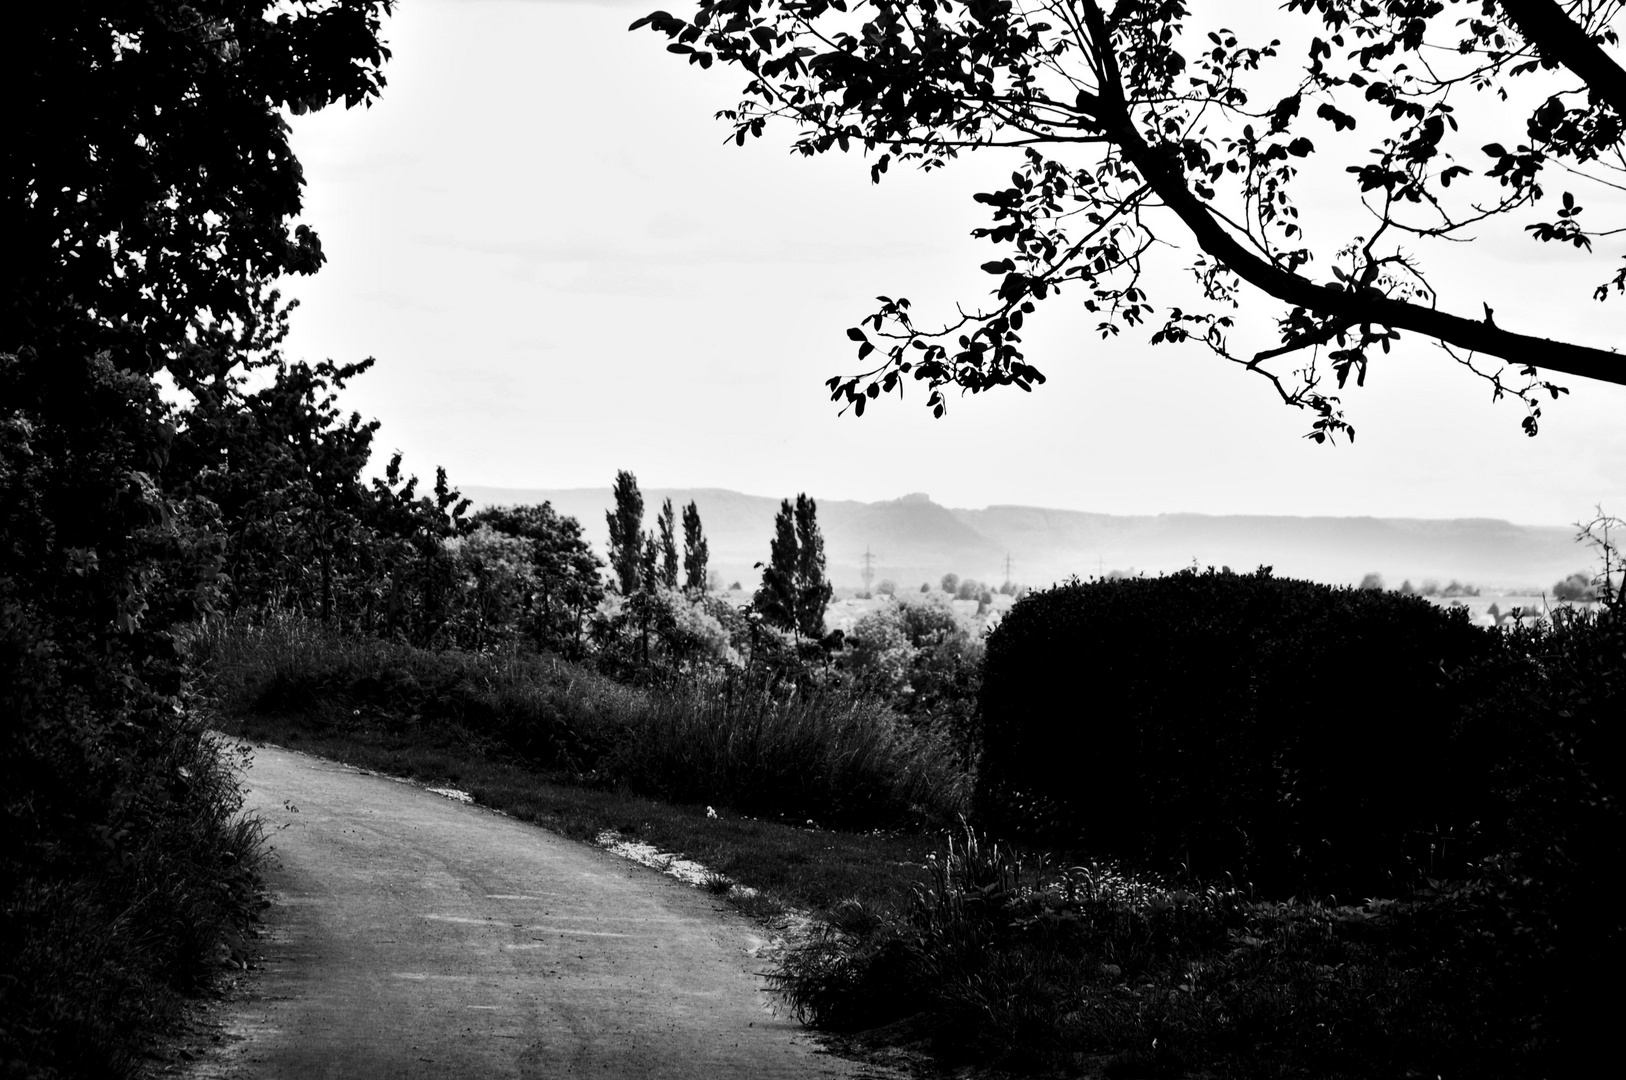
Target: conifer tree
<point>626,523</point>
<point>669,555</point>
<point>696,552</point>
<point>812,590</point>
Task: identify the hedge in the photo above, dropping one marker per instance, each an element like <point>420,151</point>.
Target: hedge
<point>1305,737</point>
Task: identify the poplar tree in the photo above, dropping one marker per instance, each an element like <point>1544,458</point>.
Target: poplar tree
<point>669,555</point>
<point>696,552</point>
<point>776,597</point>
<point>626,523</point>
<point>794,592</point>
<point>812,590</point>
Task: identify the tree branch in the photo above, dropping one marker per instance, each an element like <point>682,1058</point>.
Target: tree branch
<point>1560,39</point>
<point>1163,174</point>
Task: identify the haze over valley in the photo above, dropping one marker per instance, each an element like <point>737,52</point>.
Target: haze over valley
<point>914,539</point>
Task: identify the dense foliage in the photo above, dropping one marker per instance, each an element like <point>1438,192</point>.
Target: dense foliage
<point>1296,735</point>
<point>925,659</point>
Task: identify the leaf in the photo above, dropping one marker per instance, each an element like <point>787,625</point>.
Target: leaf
<point>856,334</point>
<point>1340,120</point>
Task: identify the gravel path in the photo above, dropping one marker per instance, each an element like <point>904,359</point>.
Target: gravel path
<point>413,936</point>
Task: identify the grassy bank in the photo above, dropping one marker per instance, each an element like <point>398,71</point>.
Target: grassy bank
<point>817,801</point>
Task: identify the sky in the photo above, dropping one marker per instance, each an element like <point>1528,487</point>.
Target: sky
<point>566,268</point>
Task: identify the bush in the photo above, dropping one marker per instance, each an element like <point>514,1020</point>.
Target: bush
<point>1304,736</point>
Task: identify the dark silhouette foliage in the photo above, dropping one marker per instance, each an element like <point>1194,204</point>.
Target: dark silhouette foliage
<point>146,203</point>
<point>1142,127</point>
<point>1297,735</point>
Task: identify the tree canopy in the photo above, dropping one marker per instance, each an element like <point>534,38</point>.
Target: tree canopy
<point>150,184</point>
<point>1141,125</point>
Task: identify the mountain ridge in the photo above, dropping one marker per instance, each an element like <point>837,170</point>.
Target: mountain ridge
<point>914,540</point>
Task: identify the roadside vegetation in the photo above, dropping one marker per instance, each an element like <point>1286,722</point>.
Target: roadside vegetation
<point>1298,831</point>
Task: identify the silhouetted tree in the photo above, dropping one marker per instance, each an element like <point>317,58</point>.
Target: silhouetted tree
<point>812,590</point>
<point>626,523</point>
<point>776,597</point>
<point>668,539</point>
<point>696,552</point>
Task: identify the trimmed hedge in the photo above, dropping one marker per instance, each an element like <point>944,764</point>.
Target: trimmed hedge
<point>1303,736</point>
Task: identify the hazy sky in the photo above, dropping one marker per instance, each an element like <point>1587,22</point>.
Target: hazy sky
<point>564,270</point>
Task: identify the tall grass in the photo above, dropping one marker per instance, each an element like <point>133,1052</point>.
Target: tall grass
<point>839,759</point>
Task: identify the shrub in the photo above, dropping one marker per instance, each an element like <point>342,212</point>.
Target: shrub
<point>1302,735</point>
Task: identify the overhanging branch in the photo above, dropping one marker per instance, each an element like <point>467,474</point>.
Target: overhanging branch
<point>1163,174</point>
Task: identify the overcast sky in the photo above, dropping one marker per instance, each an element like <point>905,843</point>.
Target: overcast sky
<point>564,270</point>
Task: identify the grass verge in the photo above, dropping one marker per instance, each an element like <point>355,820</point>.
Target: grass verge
<point>841,759</point>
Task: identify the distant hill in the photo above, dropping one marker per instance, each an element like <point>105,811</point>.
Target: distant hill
<point>914,540</point>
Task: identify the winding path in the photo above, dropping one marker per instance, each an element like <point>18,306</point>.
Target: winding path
<point>413,936</point>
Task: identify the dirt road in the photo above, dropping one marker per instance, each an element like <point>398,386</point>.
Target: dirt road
<point>413,936</point>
